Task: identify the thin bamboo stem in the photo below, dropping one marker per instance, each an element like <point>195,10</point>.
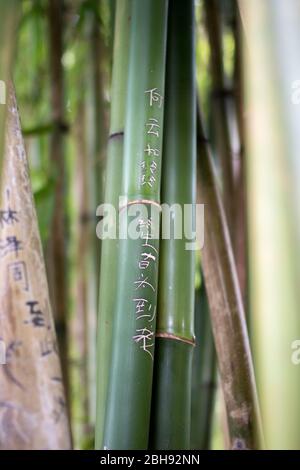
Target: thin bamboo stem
<point>78,322</point>
<point>226,307</point>
<point>220,114</point>
<point>204,375</point>
<point>56,258</point>
<point>240,214</point>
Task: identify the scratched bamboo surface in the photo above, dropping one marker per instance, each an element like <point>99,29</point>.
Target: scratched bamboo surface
<point>32,403</point>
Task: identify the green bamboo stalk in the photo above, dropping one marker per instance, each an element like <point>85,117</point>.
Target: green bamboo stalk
<point>109,248</point>
<point>204,374</point>
<point>129,398</point>
<point>226,307</point>
<point>220,115</point>
<point>171,409</point>
<point>97,134</point>
<point>272,63</point>
<point>10,13</point>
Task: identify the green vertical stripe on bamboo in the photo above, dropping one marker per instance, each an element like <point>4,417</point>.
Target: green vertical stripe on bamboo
<point>130,385</point>
<point>109,251</point>
<point>97,135</point>
<point>204,374</point>
<point>171,410</point>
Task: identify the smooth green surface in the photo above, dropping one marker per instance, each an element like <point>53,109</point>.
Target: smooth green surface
<point>130,385</point>
<point>171,414</point>
<point>172,389</point>
<point>204,374</point>
<point>109,251</point>
<point>177,272</point>
<point>146,72</point>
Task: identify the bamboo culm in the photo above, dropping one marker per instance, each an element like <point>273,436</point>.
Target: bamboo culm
<point>127,418</point>
<point>226,307</point>
<point>171,406</point>
<point>110,247</point>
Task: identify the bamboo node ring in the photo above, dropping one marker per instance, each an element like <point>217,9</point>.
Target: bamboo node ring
<point>192,341</point>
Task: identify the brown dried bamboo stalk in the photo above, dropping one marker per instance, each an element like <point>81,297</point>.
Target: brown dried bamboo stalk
<point>220,113</point>
<point>240,213</point>
<point>32,402</point>
<point>226,307</point>
<point>56,261</point>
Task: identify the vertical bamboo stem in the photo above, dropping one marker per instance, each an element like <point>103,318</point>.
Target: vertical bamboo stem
<point>226,307</point>
<point>56,257</point>
<point>204,374</point>
<point>171,407</point>
<point>272,63</point>
<point>97,134</point>
<point>128,407</point>
<point>219,96</point>
<point>109,248</point>
<point>78,323</point>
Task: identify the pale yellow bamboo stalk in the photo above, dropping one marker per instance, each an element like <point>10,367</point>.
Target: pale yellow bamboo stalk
<point>32,402</point>
<point>78,322</point>
<point>271,67</point>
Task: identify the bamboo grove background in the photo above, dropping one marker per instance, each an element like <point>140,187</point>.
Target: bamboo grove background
<point>218,368</point>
